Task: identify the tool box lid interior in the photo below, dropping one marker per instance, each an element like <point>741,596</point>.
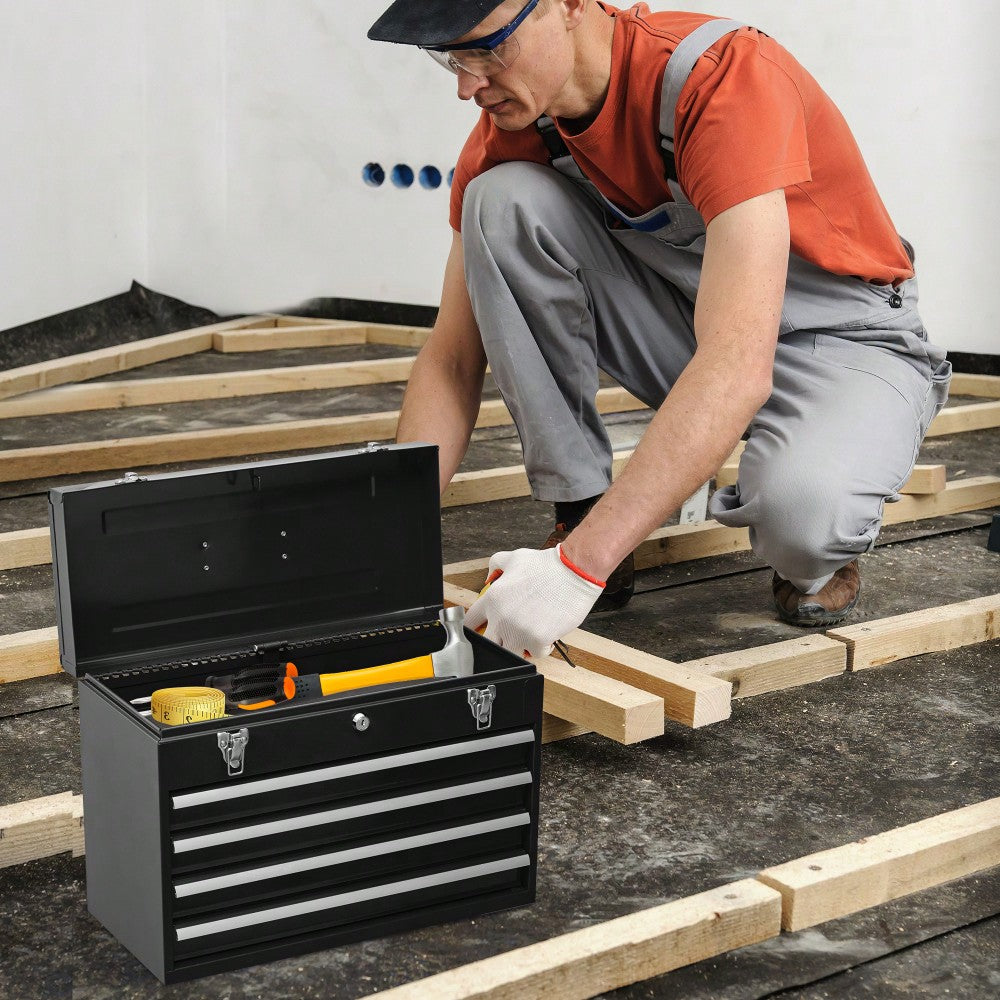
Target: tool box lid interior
<point>191,564</point>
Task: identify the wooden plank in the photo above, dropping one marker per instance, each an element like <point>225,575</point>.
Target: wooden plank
<point>29,547</point>
<point>216,385</point>
<point>975,385</point>
<point>281,319</point>
<point>281,337</point>
<point>29,654</point>
<point>876,643</point>
<point>689,697</point>
<point>925,478</point>
<point>615,953</point>
<point>970,417</point>
<point>873,870</point>
<point>40,828</point>
<point>681,542</point>
<point>554,729</point>
<point>229,442</point>
<point>615,710</point>
<point>975,493</point>
<point>398,336</point>
<point>121,357</point>
<point>502,484</point>
<point>776,666</point>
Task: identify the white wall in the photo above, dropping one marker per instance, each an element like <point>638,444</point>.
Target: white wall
<point>213,148</point>
<point>72,168</point>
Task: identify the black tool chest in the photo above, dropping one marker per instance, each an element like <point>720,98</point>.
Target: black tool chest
<point>227,842</point>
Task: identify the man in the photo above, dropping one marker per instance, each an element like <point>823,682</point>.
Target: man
<point>673,200</point>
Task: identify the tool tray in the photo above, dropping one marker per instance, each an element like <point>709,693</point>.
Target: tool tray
<point>222,843</point>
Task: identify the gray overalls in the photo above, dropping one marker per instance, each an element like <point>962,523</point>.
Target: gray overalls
<point>564,285</point>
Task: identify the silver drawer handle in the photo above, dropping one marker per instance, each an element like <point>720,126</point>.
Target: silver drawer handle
<point>263,785</point>
<point>196,843</point>
<point>188,931</point>
<point>255,875</point>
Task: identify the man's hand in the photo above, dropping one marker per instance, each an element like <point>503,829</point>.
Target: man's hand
<point>538,597</point>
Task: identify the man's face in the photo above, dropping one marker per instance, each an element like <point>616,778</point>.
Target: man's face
<point>516,96</point>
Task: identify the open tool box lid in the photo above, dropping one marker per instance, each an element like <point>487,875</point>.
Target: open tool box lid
<point>178,566</point>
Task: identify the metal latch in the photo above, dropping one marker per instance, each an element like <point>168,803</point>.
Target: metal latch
<point>481,702</point>
<point>130,477</point>
<point>232,746</point>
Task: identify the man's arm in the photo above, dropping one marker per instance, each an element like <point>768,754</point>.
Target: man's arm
<point>737,316</point>
<point>445,387</point>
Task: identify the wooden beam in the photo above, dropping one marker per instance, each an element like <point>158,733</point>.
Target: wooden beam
<point>873,870</point>
<point>776,666</point>
<point>41,828</point>
<point>502,484</point>
<point>876,643</point>
<point>229,442</point>
<point>615,953</point>
<point>29,654</point>
<point>30,547</point>
<point>975,493</point>
<point>397,336</point>
<point>969,417</point>
<point>216,385</point>
<point>975,385</point>
<point>615,710</point>
<point>121,357</point>
<point>925,478</point>
<point>688,698</point>
<point>329,334</point>
<point>554,729</point>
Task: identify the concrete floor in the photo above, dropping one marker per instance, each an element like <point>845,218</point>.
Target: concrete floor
<point>622,828</point>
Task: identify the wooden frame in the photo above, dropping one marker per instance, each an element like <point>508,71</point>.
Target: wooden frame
<point>233,442</point>
<point>121,357</point>
<point>253,333</point>
<point>621,692</point>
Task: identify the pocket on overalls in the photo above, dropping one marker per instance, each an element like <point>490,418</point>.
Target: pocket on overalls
<point>937,394</point>
<point>820,300</point>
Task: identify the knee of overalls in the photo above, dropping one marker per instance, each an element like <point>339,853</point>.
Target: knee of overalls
<point>500,202</point>
<point>804,524</point>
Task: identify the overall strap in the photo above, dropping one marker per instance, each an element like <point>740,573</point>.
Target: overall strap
<point>691,48</point>
<point>559,154</point>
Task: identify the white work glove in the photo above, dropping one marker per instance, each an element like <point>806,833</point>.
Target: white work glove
<point>539,597</point>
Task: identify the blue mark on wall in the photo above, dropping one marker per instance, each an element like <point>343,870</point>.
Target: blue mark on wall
<point>402,176</point>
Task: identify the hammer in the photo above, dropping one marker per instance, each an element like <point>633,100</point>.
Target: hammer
<point>454,659</point>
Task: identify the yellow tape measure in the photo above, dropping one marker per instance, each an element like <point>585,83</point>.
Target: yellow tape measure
<point>176,706</point>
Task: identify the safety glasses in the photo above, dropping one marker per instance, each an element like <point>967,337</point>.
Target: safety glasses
<point>483,56</point>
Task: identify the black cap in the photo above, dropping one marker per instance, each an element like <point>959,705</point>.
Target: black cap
<point>430,22</point>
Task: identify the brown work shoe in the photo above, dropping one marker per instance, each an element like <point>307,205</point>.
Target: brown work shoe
<point>830,606</point>
<point>621,584</point>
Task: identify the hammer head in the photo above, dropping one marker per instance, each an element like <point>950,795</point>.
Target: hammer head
<point>455,659</point>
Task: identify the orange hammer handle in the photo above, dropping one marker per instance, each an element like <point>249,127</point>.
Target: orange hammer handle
<point>419,668</point>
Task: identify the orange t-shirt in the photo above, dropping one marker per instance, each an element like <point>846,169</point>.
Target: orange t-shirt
<point>749,120</point>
